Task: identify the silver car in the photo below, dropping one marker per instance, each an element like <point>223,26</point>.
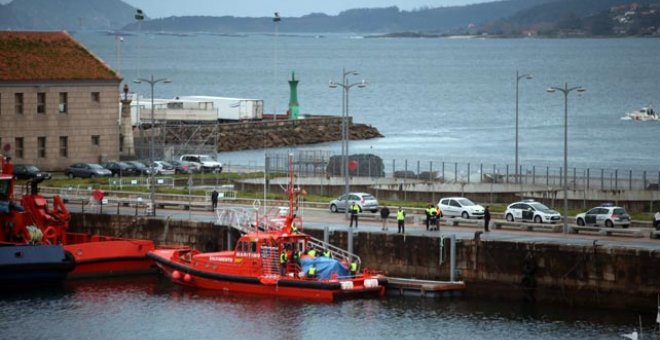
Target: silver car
<point>366,201</point>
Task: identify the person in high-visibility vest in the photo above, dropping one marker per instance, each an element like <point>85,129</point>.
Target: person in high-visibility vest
<point>427,211</point>
<point>355,210</point>
<point>311,272</point>
<point>354,267</point>
<point>312,253</point>
<point>401,220</point>
<point>433,217</point>
<point>283,260</point>
<point>294,228</point>
<point>326,253</point>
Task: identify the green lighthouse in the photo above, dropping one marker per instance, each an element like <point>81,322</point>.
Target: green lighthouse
<point>294,110</point>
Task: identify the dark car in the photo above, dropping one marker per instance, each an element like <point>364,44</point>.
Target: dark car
<point>86,170</point>
<point>121,168</point>
<point>30,171</point>
<point>183,167</point>
<point>139,167</point>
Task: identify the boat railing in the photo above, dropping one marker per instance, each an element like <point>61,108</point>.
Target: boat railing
<point>270,261</point>
<point>337,253</point>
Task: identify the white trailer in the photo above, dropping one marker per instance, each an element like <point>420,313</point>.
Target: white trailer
<point>233,109</point>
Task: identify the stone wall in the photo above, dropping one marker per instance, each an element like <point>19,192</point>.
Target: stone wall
<point>273,133</point>
<point>594,275</point>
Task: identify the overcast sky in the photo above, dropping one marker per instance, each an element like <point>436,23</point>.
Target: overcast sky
<point>264,8</point>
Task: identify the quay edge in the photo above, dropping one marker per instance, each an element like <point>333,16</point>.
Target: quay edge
<point>578,275</point>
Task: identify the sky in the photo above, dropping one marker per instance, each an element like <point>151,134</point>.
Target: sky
<point>286,8</point>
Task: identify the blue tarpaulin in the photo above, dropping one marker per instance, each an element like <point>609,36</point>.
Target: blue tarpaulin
<point>324,267</point>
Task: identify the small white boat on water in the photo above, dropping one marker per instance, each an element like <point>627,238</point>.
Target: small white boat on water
<point>643,114</point>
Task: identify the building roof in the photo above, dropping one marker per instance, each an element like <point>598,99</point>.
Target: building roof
<point>48,56</point>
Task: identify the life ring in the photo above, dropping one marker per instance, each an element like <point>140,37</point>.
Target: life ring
<point>51,234</point>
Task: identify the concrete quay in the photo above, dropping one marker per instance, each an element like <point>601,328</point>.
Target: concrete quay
<point>575,269</point>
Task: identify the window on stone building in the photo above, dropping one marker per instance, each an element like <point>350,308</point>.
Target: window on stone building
<point>41,147</point>
<point>96,140</point>
<point>64,102</point>
<point>96,97</point>
<point>41,102</point>
<point>18,103</point>
<point>18,146</point>
<point>64,146</point>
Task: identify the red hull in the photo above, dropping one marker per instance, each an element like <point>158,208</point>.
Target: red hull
<point>98,256</point>
<point>181,273</point>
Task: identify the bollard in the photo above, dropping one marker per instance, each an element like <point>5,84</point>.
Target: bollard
<point>326,234</point>
<point>350,240</point>
<point>452,258</point>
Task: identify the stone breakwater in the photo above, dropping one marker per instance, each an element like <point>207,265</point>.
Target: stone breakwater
<point>278,133</point>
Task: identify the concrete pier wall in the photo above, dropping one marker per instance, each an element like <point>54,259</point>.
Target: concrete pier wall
<point>594,275</point>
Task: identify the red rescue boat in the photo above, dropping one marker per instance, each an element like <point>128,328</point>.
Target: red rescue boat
<point>95,255</point>
<point>268,260</point>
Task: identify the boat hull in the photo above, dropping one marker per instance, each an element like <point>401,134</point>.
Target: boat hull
<point>33,265</point>
<point>183,274</point>
<point>100,256</point>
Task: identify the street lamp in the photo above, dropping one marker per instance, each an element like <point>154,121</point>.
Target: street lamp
<point>518,77</point>
<point>344,125</point>
<point>566,90</point>
<point>152,82</point>
<point>276,19</point>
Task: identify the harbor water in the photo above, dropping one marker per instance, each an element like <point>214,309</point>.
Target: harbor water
<point>149,307</point>
<point>440,100</point>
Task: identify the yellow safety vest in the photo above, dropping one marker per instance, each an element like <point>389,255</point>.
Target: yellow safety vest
<point>400,215</point>
<point>312,253</point>
<point>311,271</point>
<point>283,257</point>
<point>354,267</point>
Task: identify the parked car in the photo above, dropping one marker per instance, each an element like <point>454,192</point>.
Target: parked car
<point>656,221</point>
<point>204,162</point>
<point>86,170</point>
<point>183,167</point>
<point>30,171</point>
<point>139,167</point>
<point>530,210</point>
<point>460,206</point>
<point>366,201</point>
<point>121,168</point>
<point>162,168</point>
<point>606,215</point>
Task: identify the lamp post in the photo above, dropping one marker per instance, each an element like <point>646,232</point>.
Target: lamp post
<point>276,19</point>
<point>344,126</point>
<point>518,77</point>
<point>566,90</point>
<point>152,82</point>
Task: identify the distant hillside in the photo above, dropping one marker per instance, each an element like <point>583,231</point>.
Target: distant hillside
<point>68,15</point>
<point>362,20</point>
<point>583,17</point>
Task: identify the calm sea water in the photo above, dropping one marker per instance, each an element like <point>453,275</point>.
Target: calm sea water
<point>434,99</point>
<point>151,308</point>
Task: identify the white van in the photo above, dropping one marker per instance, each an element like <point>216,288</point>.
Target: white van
<point>203,162</point>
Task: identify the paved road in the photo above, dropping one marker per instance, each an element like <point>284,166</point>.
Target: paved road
<point>315,218</point>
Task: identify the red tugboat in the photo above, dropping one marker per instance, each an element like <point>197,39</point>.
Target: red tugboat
<point>95,255</point>
<point>267,260</point>
<point>25,259</point>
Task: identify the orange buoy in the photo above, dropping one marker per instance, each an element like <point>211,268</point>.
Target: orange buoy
<point>176,275</point>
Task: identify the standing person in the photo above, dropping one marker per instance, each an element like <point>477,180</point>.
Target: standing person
<point>428,216</point>
<point>433,216</point>
<point>214,199</point>
<point>486,218</point>
<point>401,220</point>
<point>384,214</point>
<point>283,260</point>
<point>355,210</point>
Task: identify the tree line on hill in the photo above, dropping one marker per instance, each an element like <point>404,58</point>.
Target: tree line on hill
<point>509,18</point>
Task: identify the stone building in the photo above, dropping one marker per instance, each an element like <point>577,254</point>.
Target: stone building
<point>58,101</point>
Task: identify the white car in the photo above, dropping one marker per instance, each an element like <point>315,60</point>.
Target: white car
<point>530,210</point>
<point>460,206</point>
<point>606,215</point>
<point>162,168</point>
<point>203,162</point>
